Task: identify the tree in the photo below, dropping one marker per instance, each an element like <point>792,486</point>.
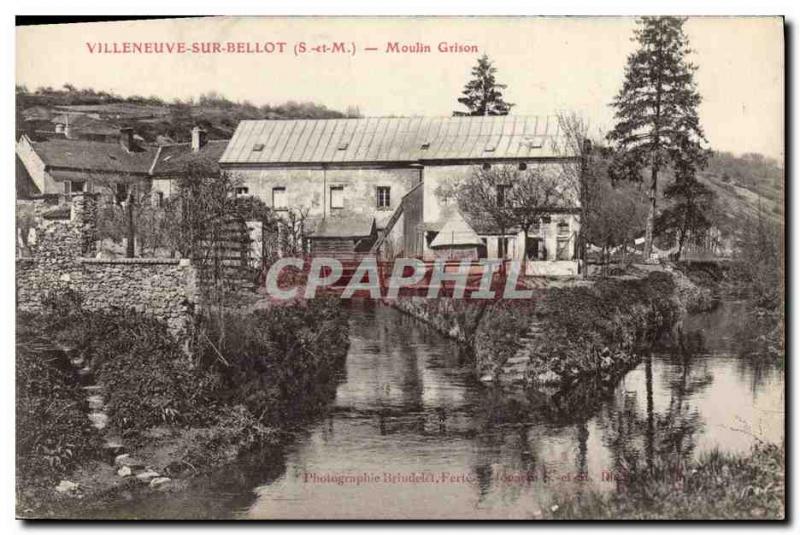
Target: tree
<point>688,215</point>
<point>480,194</point>
<point>534,194</point>
<point>509,197</point>
<point>656,110</point>
<point>582,174</point>
<point>482,94</point>
<point>615,217</point>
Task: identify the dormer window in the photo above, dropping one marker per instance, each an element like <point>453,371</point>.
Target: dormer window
<point>343,145</point>
<point>425,146</point>
<point>258,147</point>
<point>532,143</point>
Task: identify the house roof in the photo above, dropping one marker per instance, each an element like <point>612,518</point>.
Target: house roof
<point>174,158</point>
<point>392,139</point>
<point>85,155</point>
<point>345,226</point>
<point>456,232</point>
<point>26,187</point>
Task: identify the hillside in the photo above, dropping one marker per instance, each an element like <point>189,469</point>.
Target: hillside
<point>746,185</point>
<point>102,113</point>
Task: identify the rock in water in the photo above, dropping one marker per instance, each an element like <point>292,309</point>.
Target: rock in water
<point>66,486</point>
<point>147,475</point>
<point>159,482</point>
<point>99,419</point>
<point>125,471</point>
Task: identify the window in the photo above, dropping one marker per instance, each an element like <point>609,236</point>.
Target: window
<point>502,194</point>
<point>158,199</point>
<point>502,247</point>
<point>535,249</point>
<point>384,201</point>
<point>241,191</point>
<point>562,249</point>
<point>279,199</point>
<point>122,193</point>
<point>563,228</point>
<point>74,186</point>
<point>337,197</point>
<point>536,228</point>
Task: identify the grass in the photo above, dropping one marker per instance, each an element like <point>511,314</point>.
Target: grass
<point>718,486</point>
<point>181,419</point>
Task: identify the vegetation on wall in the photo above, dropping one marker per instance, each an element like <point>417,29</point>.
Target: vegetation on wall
<point>277,366</point>
<point>583,326</point>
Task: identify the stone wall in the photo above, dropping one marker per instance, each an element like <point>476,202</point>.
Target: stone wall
<point>309,189</point>
<point>59,257</point>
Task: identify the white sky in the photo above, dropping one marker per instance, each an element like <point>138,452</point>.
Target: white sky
<point>549,64</point>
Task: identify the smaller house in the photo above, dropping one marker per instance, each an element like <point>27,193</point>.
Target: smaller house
<point>457,239</point>
<point>174,160</point>
<point>60,166</point>
<point>348,233</point>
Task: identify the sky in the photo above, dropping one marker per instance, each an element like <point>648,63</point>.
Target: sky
<point>573,64</point>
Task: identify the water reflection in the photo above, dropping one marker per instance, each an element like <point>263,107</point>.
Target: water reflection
<point>430,442</point>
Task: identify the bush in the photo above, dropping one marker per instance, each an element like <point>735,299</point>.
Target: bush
<point>53,433</point>
<point>277,362</point>
<point>582,325</point>
<point>147,378</point>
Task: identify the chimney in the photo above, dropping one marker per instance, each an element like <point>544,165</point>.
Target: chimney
<point>198,138</point>
<point>126,138</point>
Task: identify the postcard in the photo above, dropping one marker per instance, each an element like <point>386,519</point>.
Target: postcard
<point>400,268</point>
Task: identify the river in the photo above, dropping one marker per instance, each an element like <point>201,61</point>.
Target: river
<point>411,434</point>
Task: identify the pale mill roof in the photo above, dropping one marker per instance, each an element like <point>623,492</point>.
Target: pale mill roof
<point>392,139</point>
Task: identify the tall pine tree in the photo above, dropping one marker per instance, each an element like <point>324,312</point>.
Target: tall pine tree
<point>688,215</point>
<point>482,94</point>
<point>656,111</point>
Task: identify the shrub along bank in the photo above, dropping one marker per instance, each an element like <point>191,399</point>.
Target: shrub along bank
<point>52,431</point>
<point>581,330</point>
<point>237,393</point>
<point>716,487</point>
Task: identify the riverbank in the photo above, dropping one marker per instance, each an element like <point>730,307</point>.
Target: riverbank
<point>561,335</point>
<point>759,282</point>
<point>718,486</point>
<point>166,417</point>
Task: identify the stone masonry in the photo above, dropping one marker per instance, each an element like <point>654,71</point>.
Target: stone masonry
<point>61,257</point>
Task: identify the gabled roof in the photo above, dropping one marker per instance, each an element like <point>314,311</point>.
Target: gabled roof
<point>392,139</point>
<point>174,158</point>
<point>456,232</point>
<point>85,155</point>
